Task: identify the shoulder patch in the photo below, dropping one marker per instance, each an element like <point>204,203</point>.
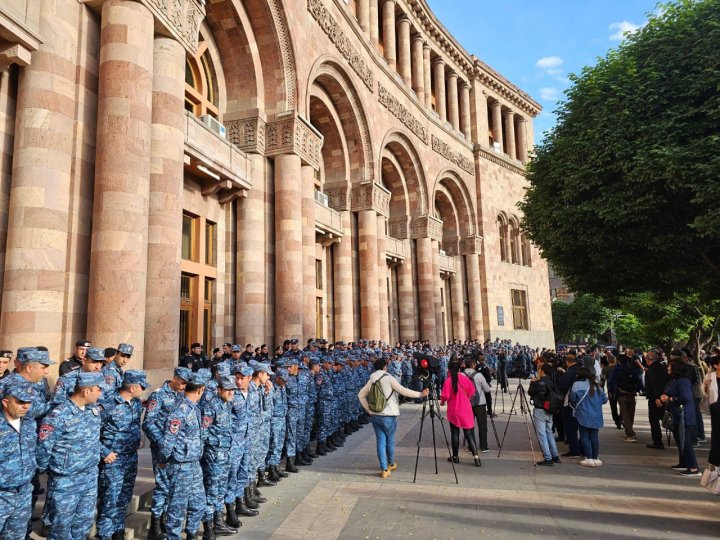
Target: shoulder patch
<point>206,421</point>
<point>174,426</point>
<point>109,379</point>
<point>45,431</point>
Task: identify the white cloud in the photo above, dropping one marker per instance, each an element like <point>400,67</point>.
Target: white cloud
<point>549,94</point>
<point>552,65</point>
<point>621,28</point>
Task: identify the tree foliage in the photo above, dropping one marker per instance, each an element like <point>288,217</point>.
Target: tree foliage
<point>586,317</point>
<point>624,191</point>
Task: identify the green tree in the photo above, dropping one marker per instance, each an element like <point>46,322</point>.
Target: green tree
<point>623,191</point>
<point>561,325</point>
<point>586,317</point>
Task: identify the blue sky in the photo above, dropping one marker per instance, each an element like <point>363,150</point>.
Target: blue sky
<point>536,43</point>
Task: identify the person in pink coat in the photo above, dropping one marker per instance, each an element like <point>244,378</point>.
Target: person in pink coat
<point>456,392</point>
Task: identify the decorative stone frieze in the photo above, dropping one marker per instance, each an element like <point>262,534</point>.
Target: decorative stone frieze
<point>448,153</point>
<point>247,134</point>
<point>490,155</point>
<point>399,111</point>
<point>399,228</point>
<point>370,196</point>
<point>427,227</point>
<point>472,245</point>
<point>181,18</point>
<point>343,44</point>
<point>292,134</point>
<point>338,196</point>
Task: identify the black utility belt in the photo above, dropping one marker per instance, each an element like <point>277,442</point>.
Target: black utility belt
<point>17,489</point>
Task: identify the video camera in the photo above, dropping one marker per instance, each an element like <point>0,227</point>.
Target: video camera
<point>427,365</point>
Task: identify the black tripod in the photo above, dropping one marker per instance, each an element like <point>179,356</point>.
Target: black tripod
<point>434,411</point>
<point>525,411</point>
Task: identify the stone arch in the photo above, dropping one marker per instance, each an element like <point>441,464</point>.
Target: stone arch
<point>453,184</point>
<point>445,209</point>
<point>328,75</point>
<point>335,168</point>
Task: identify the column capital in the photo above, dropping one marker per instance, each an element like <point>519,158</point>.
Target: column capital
<point>508,112</point>
<point>496,105</point>
<point>248,134</point>
<point>403,19</point>
<point>427,227</point>
<point>370,196</point>
<point>437,61</point>
<point>426,46</point>
<point>472,245</point>
<point>452,75</point>
<point>292,134</point>
<point>464,85</point>
<point>417,37</point>
<point>388,2</point>
<point>180,20</point>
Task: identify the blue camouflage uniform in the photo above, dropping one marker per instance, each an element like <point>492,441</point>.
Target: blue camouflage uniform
<point>113,378</point>
<point>182,448</point>
<point>338,390</point>
<point>325,399</point>
<point>239,470</point>
<point>159,405</point>
<point>255,433</point>
<point>69,451</point>
<point>278,420</point>
<point>306,375</point>
<point>296,399</point>
<point>119,434</point>
<point>17,465</point>
<point>395,369</point>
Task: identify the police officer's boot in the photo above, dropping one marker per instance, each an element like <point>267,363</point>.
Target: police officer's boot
<point>290,465</point>
<point>250,500</point>
<point>190,536</point>
<point>208,532</point>
<point>306,456</point>
<point>300,460</point>
<point>256,493</point>
<point>155,532</point>
<point>329,446</point>
<point>231,516</point>
<point>241,508</point>
<point>270,474</point>
<point>262,481</point>
<point>118,535</point>
<point>220,528</point>
<point>310,454</point>
<point>347,429</point>
<point>163,523</point>
<point>320,450</point>
<point>279,473</point>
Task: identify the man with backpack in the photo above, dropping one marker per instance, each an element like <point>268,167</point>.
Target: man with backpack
<point>624,385</point>
<point>546,400</point>
<point>478,401</point>
<point>379,397</point>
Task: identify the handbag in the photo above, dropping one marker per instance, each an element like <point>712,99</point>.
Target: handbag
<point>711,480</point>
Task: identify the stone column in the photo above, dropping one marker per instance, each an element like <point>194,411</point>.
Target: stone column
<point>472,265</point>
<point>288,248</point>
<point>452,100</point>
<point>465,120</point>
<point>374,27</point>
<point>369,298</point>
<point>404,63</point>
<point>426,285</point>
<point>509,118</point>
<point>389,45</point>
<point>363,15</point>
<point>496,109</point>
<point>418,68</point>
<point>440,103</point>
<point>437,296</point>
<point>382,280</point>
<point>119,255</point>
<point>522,150</point>
<point>251,298</point>
<point>162,299</point>
<point>36,261</point>
<point>427,75</point>
<point>308,236</point>
<point>406,297</point>
<point>343,282</point>
<point>458,306</point>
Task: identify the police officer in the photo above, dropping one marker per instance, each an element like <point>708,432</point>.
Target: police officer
<point>258,408</point>
<point>217,420</point>
<point>181,449</point>
<point>92,362</point>
<point>74,363</point>
<point>119,440</point>
<point>306,374</point>
<point>296,411</point>
<point>195,359</point>
<point>17,459</point>
<point>159,405</point>
<point>113,371</point>
<point>238,487</point>
<point>5,357</point>
<point>69,451</point>
<point>278,425</point>
<point>325,396</point>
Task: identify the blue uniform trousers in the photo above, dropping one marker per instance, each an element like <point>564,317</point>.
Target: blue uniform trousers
<point>115,489</point>
<point>241,467</point>
<point>70,504</point>
<point>307,428</point>
<point>160,493</point>
<point>277,439</point>
<point>215,466</point>
<point>324,420</point>
<point>186,497</point>
<point>295,425</point>
<point>15,510</point>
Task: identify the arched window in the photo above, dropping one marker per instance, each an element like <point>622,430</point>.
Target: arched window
<point>525,243</point>
<point>514,242</point>
<point>503,233</point>
<point>201,96</point>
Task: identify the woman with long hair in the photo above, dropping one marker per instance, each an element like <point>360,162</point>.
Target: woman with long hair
<point>586,401</point>
<point>456,392</point>
<point>678,399</point>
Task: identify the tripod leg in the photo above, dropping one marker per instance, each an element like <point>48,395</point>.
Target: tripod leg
<point>524,400</point>
<point>497,439</point>
<point>417,456</point>
<point>447,443</point>
<point>432,423</point>
<point>507,425</point>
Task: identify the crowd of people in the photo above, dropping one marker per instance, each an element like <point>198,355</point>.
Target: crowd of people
<point>244,418</point>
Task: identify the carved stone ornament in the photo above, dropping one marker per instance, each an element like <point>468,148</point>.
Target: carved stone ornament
<point>427,227</point>
<point>399,111</point>
<point>472,245</point>
<point>370,196</point>
<point>247,134</point>
<point>399,228</point>
<point>494,157</point>
<point>448,153</point>
<point>181,18</point>
<point>293,135</point>
<point>338,196</point>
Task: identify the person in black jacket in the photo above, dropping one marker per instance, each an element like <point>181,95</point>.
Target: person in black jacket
<point>656,379</point>
<point>570,425</point>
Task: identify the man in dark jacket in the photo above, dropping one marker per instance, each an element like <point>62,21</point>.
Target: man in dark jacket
<point>656,379</point>
<point>570,425</point>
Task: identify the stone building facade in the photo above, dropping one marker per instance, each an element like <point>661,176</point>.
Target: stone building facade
<point>187,170</point>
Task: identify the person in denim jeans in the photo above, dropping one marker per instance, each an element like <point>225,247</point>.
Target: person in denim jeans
<point>385,422</point>
<point>542,419</point>
<point>586,401</point>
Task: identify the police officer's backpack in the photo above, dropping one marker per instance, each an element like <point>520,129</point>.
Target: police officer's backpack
<point>376,398</point>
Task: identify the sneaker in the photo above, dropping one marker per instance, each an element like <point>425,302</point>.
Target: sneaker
<point>630,439</point>
<point>598,463</point>
<point>485,450</point>
<point>392,467</point>
<point>570,455</point>
<point>384,474</point>
<point>546,463</point>
<point>688,472</point>
<point>556,459</point>
<point>703,439</point>
<point>678,468</point>
<point>655,446</point>
<point>588,463</point>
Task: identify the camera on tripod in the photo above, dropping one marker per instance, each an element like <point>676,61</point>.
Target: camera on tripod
<point>427,365</point>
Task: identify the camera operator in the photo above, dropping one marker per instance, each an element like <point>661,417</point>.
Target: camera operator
<point>385,422</point>
<point>540,394</point>
<point>501,372</point>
